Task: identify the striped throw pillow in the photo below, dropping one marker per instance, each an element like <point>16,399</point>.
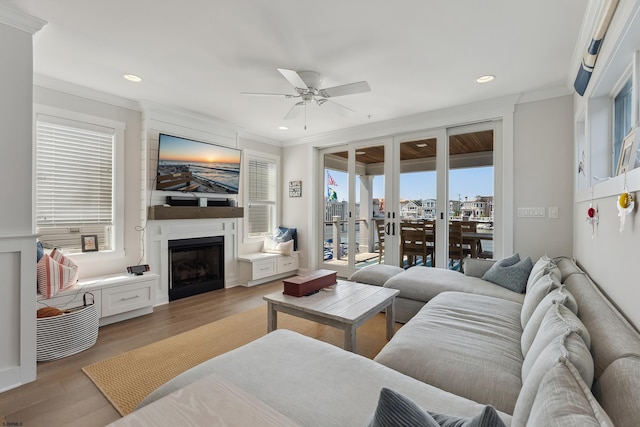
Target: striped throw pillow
<point>55,273</point>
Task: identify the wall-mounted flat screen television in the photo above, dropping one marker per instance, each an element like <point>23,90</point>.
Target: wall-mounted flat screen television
<point>197,167</point>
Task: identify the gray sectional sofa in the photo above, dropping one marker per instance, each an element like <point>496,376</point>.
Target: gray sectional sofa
<point>560,354</point>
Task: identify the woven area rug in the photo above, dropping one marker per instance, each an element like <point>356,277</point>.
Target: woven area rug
<point>128,378</point>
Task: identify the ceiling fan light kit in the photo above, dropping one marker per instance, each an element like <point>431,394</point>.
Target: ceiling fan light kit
<point>307,85</point>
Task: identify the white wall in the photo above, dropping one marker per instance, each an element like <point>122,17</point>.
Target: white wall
<point>98,264</point>
<point>542,158</point>
<point>298,212</point>
<point>609,256</point>
<point>15,139</point>
<point>543,176</point>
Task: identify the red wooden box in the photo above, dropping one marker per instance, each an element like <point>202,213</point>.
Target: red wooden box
<point>306,284</point>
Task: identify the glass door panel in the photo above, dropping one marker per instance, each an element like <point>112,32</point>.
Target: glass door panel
<point>471,191</point>
<point>417,203</point>
<point>335,212</point>
<point>370,233</point>
<point>355,231</point>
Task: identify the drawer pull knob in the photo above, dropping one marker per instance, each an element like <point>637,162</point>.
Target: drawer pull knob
<point>128,298</point>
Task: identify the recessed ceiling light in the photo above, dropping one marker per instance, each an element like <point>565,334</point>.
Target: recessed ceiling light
<point>133,78</point>
<point>485,79</point>
<point>283,128</point>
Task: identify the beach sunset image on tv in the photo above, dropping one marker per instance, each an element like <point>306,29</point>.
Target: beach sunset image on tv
<point>198,167</point>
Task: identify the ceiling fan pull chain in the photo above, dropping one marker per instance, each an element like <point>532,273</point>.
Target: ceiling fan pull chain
<point>305,116</point>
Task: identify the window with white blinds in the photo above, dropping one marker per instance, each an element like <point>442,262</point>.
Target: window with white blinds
<point>74,183</point>
<point>262,182</point>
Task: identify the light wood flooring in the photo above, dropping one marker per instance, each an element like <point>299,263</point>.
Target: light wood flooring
<point>63,395</point>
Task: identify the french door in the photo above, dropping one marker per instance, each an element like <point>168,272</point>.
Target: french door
<point>371,189</point>
<point>356,226</point>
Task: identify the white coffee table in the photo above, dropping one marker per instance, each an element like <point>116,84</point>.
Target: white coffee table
<point>346,306</point>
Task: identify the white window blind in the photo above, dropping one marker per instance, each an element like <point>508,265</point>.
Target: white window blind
<point>262,193</point>
<point>74,180</point>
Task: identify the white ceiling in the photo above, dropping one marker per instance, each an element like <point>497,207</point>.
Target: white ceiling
<point>199,55</point>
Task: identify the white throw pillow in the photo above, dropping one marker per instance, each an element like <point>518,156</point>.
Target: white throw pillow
<point>284,248</point>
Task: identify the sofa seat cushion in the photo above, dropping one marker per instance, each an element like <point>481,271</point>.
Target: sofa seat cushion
<point>423,283</point>
<point>315,383</point>
<point>458,336</point>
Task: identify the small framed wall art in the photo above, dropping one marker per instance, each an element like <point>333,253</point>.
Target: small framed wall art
<point>90,243</point>
<point>295,188</point>
<point>628,152</point>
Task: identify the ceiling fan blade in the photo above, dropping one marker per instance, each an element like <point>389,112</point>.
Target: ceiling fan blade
<point>336,108</point>
<point>283,95</point>
<point>348,89</point>
<point>293,77</point>
<point>295,110</point>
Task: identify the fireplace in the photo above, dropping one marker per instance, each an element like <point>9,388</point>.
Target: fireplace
<point>195,266</point>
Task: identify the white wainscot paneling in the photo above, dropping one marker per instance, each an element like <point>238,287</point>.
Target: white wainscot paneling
<point>17,311</point>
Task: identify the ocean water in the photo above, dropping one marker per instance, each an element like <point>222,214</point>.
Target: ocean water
<point>226,175</point>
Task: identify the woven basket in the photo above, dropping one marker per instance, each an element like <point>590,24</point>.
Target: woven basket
<point>67,334</point>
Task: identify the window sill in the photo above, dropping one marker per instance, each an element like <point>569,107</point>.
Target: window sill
<point>611,187</point>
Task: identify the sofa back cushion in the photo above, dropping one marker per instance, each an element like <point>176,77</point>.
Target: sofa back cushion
<point>557,321</point>
<point>618,390</point>
<point>535,294</point>
<point>558,296</point>
<point>569,346</point>
<point>564,400</point>
<point>544,265</point>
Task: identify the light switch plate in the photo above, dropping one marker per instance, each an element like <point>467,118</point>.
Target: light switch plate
<point>553,212</point>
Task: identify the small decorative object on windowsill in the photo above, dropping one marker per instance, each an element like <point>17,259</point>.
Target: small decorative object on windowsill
<point>90,243</point>
<point>624,203</point>
<point>592,218</point>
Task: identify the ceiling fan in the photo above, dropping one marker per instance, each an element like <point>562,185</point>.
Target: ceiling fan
<point>307,86</point>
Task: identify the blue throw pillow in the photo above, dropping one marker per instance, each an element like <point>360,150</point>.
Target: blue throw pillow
<point>294,235</point>
<point>39,251</point>
<point>396,410</point>
<point>509,274</point>
<point>487,418</point>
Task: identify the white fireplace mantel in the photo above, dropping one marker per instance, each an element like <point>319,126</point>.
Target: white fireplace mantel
<point>159,232</point>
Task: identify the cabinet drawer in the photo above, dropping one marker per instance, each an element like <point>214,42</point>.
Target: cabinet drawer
<point>287,263</point>
<point>262,269</point>
<point>120,299</point>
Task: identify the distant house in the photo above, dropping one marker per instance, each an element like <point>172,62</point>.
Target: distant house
<point>428,208</point>
<point>478,207</point>
<point>411,209</point>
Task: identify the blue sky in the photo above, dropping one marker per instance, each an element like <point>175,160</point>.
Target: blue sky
<point>468,182</point>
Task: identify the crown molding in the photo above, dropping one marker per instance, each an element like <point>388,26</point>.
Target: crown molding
<point>84,92</point>
<point>20,20</point>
